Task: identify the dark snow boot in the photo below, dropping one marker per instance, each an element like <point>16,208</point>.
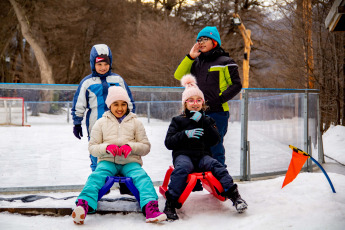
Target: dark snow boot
<point>124,189</point>
<point>170,211</point>
<point>235,197</point>
<point>170,207</point>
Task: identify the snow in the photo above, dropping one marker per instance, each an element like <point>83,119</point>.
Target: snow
<point>331,140</point>
<point>48,154</point>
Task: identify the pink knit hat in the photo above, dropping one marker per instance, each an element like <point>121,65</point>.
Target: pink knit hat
<point>116,93</point>
<point>189,82</point>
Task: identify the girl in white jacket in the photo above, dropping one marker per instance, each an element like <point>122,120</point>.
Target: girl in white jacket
<point>118,140</point>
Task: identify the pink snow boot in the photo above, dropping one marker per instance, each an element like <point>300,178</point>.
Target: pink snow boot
<point>79,213</point>
<point>153,214</point>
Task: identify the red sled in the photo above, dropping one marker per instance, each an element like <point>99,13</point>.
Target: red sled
<point>209,182</point>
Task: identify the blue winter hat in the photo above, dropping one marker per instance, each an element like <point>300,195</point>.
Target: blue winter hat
<point>210,32</point>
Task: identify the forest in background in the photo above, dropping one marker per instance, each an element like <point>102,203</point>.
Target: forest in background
<point>50,42</point>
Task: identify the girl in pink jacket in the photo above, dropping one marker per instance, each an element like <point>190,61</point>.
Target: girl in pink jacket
<point>118,140</point>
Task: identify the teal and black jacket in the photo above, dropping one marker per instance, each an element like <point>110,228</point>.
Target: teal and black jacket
<point>217,77</point>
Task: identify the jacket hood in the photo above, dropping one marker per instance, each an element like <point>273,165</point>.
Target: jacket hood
<point>97,50</point>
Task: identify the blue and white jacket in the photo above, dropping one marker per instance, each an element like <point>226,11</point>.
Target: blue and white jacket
<point>93,90</point>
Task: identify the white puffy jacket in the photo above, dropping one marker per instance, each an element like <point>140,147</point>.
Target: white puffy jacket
<point>107,130</point>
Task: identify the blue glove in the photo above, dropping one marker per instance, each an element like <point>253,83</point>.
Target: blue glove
<point>195,133</point>
<point>196,116</point>
<point>78,131</point>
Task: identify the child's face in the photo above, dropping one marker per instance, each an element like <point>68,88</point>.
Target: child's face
<point>205,44</point>
<point>102,67</point>
<point>194,103</point>
<point>119,108</point>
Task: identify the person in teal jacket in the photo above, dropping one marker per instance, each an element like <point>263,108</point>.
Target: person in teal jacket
<point>218,78</point>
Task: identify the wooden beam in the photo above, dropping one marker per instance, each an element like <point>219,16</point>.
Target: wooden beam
<point>334,15</point>
<point>55,211</point>
<point>246,34</point>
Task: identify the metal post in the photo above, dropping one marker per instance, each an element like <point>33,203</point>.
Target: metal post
<point>244,135</point>
<point>321,157</point>
<point>9,113</point>
<point>305,116</point>
<point>310,162</point>
<point>148,112</point>
<point>248,161</point>
<point>68,103</point>
<point>25,112</point>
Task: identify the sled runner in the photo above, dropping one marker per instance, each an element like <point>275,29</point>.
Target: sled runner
<point>209,182</point>
<point>62,206</point>
<point>124,205</point>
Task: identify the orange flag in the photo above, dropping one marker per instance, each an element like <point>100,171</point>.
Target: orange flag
<point>296,164</point>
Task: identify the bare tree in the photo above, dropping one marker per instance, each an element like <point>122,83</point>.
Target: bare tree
<point>8,31</point>
<point>138,22</point>
<point>44,65</point>
<point>301,43</point>
<point>219,13</point>
<point>155,54</point>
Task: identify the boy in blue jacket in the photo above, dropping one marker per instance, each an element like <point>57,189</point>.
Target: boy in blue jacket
<point>93,90</point>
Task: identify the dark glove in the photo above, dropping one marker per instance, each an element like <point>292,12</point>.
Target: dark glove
<point>78,131</point>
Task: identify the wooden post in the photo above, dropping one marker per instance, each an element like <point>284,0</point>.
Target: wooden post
<point>247,43</point>
<point>308,53</point>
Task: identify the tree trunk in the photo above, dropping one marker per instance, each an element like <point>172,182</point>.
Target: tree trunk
<point>299,44</point>
<point>308,49</point>
<point>14,60</point>
<point>336,79</point>
<point>343,77</point>
<point>43,63</point>
<point>26,60</point>
<point>71,65</point>
<point>138,21</point>
<point>236,7</point>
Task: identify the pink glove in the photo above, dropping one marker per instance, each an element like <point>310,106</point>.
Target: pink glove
<point>125,150</point>
<point>114,150</point>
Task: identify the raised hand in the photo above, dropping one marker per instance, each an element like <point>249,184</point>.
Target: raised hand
<point>195,133</point>
<point>194,52</point>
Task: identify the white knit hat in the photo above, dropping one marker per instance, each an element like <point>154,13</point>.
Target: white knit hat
<point>116,93</point>
<point>189,82</point>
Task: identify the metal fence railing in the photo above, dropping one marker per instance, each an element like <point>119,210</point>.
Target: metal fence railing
<point>280,117</point>
<point>262,124</point>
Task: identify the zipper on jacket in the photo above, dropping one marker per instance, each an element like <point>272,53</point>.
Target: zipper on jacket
<point>118,130</point>
<point>208,72</point>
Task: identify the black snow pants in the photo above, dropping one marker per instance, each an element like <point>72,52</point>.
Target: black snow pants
<point>184,165</point>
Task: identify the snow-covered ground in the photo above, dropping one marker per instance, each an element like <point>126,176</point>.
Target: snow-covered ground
<point>48,154</point>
